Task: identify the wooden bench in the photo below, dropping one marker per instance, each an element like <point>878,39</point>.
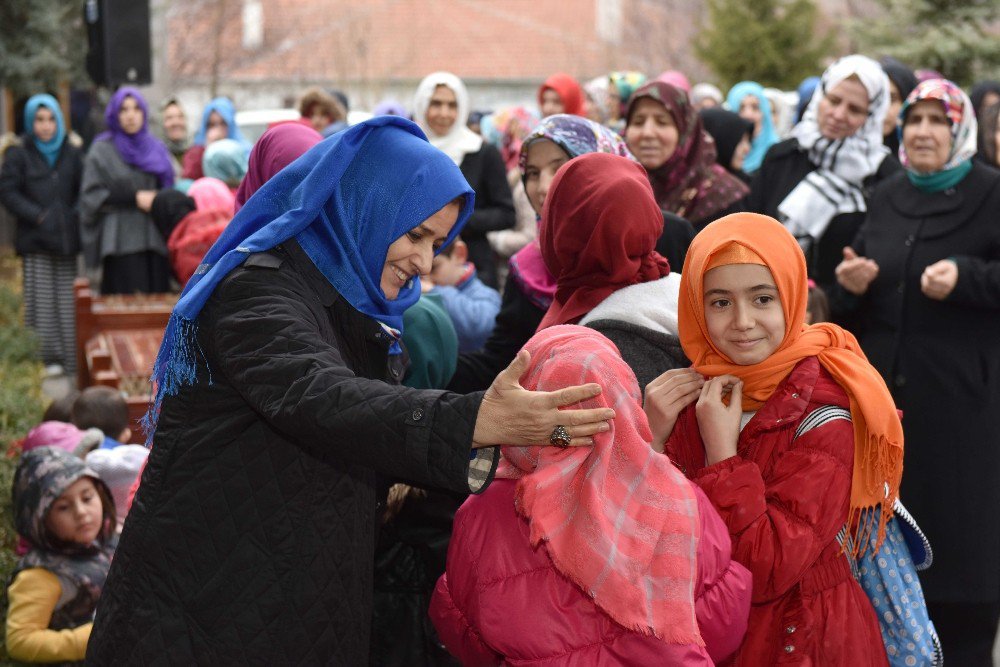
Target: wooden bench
<point>117,338</point>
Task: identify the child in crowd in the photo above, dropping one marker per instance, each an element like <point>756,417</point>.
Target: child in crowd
<point>65,513</point>
<point>59,409</point>
<point>119,468</point>
<point>106,409</point>
<point>792,436</point>
<point>817,304</point>
<point>471,304</point>
<point>593,556</point>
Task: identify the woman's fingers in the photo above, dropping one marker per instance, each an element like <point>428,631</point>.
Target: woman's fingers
<point>585,417</point>
<point>573,395</point>
<point>512,374</point>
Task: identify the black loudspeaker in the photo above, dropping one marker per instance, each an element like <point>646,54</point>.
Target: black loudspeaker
<point>118,42</point>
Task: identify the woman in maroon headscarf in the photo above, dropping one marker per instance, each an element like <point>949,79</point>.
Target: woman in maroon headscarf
<point>276,149</point>
<point>598,235</point>
<point>664,131</point>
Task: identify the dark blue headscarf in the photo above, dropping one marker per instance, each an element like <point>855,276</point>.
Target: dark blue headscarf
<point>49,149</point>
<point>224,107</point>
<point>345,201</point>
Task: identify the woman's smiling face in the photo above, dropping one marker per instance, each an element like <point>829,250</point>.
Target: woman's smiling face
<point>743,312</point>
<point>412,254</point>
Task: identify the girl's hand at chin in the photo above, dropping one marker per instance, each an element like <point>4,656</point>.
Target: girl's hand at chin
<point>719,423</point>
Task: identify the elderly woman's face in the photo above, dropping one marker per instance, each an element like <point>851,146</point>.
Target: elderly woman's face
<point>651,133</point>
<point>130,116</point>
<point>927,136</point>
<point>412,254</point>
<point>442,112</point>
<point>843,110</point>
<point>543,161</point>
<point>44,127</point>
<point>174,123</point>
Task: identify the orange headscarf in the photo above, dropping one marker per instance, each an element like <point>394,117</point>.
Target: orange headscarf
<point>878,433</point>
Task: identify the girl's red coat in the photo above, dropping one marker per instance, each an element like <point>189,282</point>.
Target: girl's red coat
<point>784,499</point>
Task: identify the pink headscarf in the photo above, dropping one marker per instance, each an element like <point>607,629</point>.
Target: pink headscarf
<point>61,435</point>
<point>617,519</point>
<point>676,79</point>
<point>211,194</point>
<point>276,149</point>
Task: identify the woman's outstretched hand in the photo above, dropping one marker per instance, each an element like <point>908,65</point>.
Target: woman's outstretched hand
<point>512,415</point>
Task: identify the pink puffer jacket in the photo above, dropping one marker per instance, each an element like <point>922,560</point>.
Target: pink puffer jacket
<point>502,602</point>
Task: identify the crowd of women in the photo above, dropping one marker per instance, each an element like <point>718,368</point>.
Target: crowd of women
<point>730,330</point>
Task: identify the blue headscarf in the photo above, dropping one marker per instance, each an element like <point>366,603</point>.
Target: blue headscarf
<point>767,136</point>
<point>49,149</point>
<point>224,107</point>
<point>806,90</point>
<point>345,201</point>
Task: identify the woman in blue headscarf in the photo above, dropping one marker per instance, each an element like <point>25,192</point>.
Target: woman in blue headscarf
<point>747,98</point>
<point>124,169</point>
<point>218,121</point>
<point>39,185</point>
<point>278,411</point>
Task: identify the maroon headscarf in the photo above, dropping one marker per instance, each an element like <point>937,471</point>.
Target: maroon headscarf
<point>690,183</point>
<point>599,228</point>
<point>276,149</point>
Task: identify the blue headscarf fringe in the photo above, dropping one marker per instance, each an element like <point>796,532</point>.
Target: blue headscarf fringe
<point>175,367</point>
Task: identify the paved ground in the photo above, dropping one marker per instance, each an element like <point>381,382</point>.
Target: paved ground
<point>56,387</point>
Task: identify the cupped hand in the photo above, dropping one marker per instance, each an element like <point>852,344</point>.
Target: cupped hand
<point>144,199</point>
<point>939,279</point>
<point>719,423</point>
<point>512,415</point>
<point>665,397</point>
<point>856,273</point>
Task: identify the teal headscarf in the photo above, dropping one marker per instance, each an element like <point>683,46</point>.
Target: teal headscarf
<point>226,160</point>
<point>49,149</point>
<point>431,342</point>
<point>767,136</point>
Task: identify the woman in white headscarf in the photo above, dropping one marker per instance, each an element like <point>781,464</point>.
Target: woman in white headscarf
<point>441,108</point>
<point>817,182</point>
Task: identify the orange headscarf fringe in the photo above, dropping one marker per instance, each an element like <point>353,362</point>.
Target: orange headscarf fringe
<point>878,433</point>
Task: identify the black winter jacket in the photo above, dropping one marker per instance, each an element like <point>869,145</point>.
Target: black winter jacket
<point>485,172</point>
<point>784,167</point>
<point>43,198</point>
<point>251,538</point>
<point>941,360</point>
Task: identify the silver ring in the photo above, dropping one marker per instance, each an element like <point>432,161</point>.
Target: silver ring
<point>560,437</point>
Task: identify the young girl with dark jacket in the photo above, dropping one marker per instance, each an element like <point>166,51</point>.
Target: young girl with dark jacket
<point>39,185</point>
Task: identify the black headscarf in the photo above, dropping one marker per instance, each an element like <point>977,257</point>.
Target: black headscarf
<point>727,128</point>
<point>169,208</point>
<point>988,149</point>
<point>979,92</point>
<point>905,81</point>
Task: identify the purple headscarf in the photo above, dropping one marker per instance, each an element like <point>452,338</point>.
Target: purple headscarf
<point>141,150</point>
<point>276,149</point>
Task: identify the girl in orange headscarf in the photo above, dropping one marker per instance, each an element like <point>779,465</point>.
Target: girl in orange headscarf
<point>790,432</point>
